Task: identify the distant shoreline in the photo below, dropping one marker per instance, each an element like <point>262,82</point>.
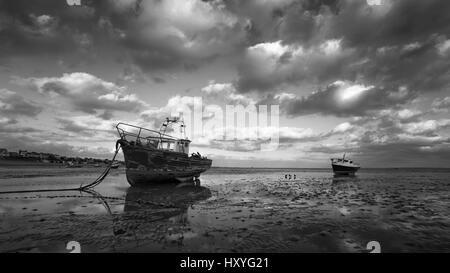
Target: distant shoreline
<point>35,163</point>
<point>28,163</point>
<point>325,168</point>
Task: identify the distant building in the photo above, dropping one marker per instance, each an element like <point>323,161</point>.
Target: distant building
<point>34,155</point>
<point>48,157</point>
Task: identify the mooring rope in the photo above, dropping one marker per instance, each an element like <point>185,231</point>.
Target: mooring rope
<point>89,187</point>
<point>97,195</point>
<point>81,187</point>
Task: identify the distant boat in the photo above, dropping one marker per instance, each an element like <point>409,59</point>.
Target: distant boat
<point>115,165</point>
<point>153,156</point>
<point>344,166</point>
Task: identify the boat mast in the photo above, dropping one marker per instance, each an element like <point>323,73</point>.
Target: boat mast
<point>174,120</point>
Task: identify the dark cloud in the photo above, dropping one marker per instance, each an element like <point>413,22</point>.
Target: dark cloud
<point>341,99</point>
<point>389,24</point>
<point>275,65</point>
<point>316,43</point>
<point>289,20</point>
<point>161,36</point>
<point>199,32</point>
<point>361,61</point>
<point>41,27</point>
<point>157,36</point>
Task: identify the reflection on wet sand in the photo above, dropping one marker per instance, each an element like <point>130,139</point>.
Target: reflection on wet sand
<point>237,212</point>
<point>164,195</point>
<point>156,214</point>
<point>99,220</point>
<point>337,178</point>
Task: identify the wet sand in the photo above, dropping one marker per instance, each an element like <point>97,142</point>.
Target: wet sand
<point>232,211</point>
<point>29,171</point>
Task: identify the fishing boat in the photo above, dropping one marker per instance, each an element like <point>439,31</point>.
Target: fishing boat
<point>154,156</point>
<point>344,166</point>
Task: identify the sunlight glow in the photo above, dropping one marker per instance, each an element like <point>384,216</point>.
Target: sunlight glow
<point>353,92</point>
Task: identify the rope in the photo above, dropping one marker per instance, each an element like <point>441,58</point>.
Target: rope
<point>81,187</point>
<point>103,198</point>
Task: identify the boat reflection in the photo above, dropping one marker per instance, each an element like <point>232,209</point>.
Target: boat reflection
<point>169,195</point>
<point>339,178</point>
<point>159,203</point>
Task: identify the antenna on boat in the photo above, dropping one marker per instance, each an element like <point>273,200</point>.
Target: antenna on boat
<point>182,126</point>
<point>174,120</point>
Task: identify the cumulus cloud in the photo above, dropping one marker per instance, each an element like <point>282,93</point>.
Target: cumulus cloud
<point>225,93</point>
<point>86,92</point>
<point>402,137</point>
<point>426,126</point>
<point>273,65</point>
<point>441,104</point>
<point>12,103</point>
<point>88,125</point>
<point>177,106</point>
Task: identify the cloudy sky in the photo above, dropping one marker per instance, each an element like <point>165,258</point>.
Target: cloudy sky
<point>370,78</point>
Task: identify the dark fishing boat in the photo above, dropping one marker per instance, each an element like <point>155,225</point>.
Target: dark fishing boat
<point>153,156</point>
<point>344,166</point>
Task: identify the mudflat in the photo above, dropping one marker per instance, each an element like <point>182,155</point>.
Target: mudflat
<point>233,210</point>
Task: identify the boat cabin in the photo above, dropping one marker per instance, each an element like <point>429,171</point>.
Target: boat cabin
<point>177,145</point>
<point>341,160</point>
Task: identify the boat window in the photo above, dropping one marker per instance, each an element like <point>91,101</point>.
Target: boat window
<point>165,145</point>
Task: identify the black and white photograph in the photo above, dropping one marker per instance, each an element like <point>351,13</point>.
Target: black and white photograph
<point>225,127</point>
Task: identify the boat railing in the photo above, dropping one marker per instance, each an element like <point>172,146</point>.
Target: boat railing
<point>140,136</point>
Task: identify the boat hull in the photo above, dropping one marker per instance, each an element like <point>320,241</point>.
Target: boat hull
<point>146,165</point>
<point>344,170</point>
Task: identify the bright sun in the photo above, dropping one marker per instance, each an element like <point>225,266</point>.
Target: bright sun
<point>352,93</point>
